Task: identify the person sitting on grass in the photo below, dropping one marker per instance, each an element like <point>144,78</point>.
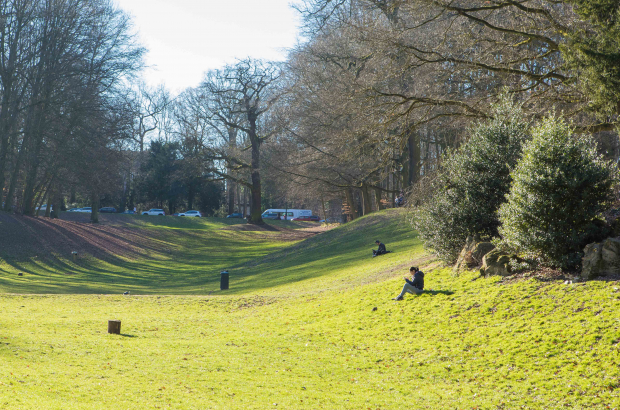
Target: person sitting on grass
<point>413,286</point>
<point>380,251</point>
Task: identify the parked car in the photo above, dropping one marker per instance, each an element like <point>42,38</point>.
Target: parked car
<point>271,216</point>
<point>129,211</point>
<point>312,218</point>
<point>42,208</point>
<point>107,210</point>
<point>87,209</point>
<point>235,215</point>
<point>73,210</point>
<point>154,211</point>
<point>191,213</point>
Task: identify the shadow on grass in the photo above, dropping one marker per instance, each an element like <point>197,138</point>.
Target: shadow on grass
<point>437,292</point>
<point>127,335</point>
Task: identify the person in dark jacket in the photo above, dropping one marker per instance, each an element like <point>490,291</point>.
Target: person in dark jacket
<point>380,251</point>
<point>413,286</point>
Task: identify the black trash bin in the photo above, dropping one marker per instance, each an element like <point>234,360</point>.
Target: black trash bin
<point>224,280</point>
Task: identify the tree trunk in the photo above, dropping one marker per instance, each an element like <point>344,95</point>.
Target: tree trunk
<point>414,159</point>
<point>232,143</point>
<point>33,141</point>
<point>366,204</point>
<point>351,203</point>
<point>9,109</point>
<point>132,196</point>
<point>45,200</point>
<point>9,201</point>
<point>255,201</point>
<point>255,204</point>
<point>378,199</point>
<point>94,203</point>
<point>56,201</point>
<point>191,193</point>
<point>394,187</point>
<point>123,202</point>
<point>231,196</point>
<point>238,199</point>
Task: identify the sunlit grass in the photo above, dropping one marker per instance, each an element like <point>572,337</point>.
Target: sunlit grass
<point>299,329</point>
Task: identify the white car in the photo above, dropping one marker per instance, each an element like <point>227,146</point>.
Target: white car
<point>154,212</point>
<point>87,210</point>
<point>191,213</point>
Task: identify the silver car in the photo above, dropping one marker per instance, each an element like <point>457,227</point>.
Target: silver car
<point>154,212</point>
<point>191,213</point>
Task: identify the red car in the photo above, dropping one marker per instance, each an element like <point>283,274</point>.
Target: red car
<point>312,218</point>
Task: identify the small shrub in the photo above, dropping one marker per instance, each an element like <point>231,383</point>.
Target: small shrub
<point>520,265</point>
<point>464,197</point>
<point>559,187</point>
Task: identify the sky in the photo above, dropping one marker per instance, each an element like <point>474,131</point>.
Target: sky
<point>186,38</point>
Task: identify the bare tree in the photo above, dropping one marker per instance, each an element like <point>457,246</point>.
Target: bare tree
<point>149,105</point>
<point>239,98</point>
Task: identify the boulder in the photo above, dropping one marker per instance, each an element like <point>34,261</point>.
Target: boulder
<point>495,263</point>
<point>465,255</point>
<point>469,260</point>
<point>481,249</point>
<point>472,253</point>
<point>601,259</point>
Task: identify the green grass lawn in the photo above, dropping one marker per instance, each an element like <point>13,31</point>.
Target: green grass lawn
<point>298,329</point>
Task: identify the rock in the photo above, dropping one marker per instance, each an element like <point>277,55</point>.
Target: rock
<point>481,249</point>
<point>472,253</point>
<point>495,263</point>
<point>469,260</point>
<point>601,259</point>
<point>465,255</point>
<point>460,262</point>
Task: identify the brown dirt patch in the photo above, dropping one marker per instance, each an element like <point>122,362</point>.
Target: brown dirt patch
<point>24,237</point>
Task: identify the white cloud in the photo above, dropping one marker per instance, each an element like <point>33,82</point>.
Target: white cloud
<point>188,37</point>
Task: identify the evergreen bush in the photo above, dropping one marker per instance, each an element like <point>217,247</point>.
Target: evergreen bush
<point>466,194</point>
<point>559,187</point>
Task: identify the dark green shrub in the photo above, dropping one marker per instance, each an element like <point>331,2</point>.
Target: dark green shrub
<point>559,187</point>
<point>465,195</point>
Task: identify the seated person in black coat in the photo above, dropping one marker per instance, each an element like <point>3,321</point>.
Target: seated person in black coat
<point>415,285</point>
<point>380,251</point>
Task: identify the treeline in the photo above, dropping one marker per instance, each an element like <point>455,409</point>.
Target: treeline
<point>366,107</point>
<point>64,67</point>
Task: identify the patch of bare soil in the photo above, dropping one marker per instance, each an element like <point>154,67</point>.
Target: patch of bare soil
<point>24,237</point>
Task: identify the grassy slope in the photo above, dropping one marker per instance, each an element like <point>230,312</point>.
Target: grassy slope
<point>317,343</point>
<point>184,256</point>
<point>187,256</point>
